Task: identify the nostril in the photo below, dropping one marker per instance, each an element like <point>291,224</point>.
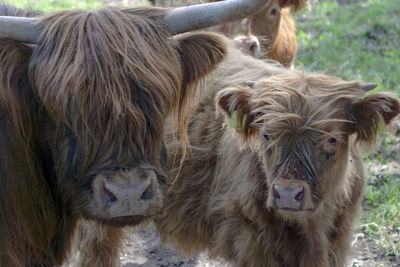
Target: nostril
<point>276,194</point>
<point>148,194</point>
<point>142,174</point>
<point>299,196</point>
<point>111,197</point>
<point>253,47</point>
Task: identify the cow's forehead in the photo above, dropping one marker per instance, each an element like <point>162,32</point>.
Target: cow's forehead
<point>304,96</point>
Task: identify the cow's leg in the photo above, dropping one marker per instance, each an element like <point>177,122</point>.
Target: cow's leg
<point>96,245</point>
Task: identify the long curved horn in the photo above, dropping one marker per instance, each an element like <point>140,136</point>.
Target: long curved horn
<point>19,29</point>
<point>179,20</point>
<point>184,19</point>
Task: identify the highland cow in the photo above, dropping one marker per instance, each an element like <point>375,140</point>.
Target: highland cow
<point>281,184</point>
<point>270,33</point>
<point>82,114</point>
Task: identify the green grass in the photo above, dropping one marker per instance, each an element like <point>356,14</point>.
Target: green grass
<point>381,220</point>
<point>356,41</point>
<point>54,5</point>
<point>382,223</point>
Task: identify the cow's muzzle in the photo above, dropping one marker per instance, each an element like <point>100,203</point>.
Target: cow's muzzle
<point>290,195</point>
<point>134,192</point>
<point>249,44</point>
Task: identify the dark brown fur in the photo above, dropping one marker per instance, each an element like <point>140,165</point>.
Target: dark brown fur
<point>90,98</point>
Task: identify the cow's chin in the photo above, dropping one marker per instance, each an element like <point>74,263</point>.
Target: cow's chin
<point>295,215</point>
<point>127,198</point>
<point>122,221</point>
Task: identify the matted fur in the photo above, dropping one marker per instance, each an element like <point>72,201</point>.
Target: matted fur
<point>91,97</point>
<point>103,103</point>
<point>220,200</point>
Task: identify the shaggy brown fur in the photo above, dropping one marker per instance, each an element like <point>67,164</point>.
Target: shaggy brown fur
<point>222,200</point>
<point>270,33</point>
<point>300,128</point>
<point>104,245</point>
<point>90,99</point>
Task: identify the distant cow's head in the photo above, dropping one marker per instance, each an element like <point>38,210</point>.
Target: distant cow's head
<point>107,81</point>
<point>257,34</point>
<point>302,125</point>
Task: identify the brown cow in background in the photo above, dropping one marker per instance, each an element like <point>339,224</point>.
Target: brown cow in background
<point>282,186</point>
<point>270,33</point>
<point>82,114</point>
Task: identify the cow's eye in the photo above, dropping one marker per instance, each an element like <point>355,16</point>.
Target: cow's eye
<point>332,141</point>
<point>266,137</point>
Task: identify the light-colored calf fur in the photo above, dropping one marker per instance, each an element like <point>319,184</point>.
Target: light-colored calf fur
<point>291,127</point>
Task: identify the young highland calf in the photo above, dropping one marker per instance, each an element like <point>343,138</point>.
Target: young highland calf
<point>283,183</point>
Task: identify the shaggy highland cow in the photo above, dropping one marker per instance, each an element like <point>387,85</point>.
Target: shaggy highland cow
<point>82,114</point>
<point>283,184</point>
<point>269,33</point>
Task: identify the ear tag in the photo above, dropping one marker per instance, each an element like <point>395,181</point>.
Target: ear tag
<point>235,123</point>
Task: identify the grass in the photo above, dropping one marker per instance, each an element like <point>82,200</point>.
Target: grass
<point>356,41</point>
<point>54,5</point>
<point>381,223</point>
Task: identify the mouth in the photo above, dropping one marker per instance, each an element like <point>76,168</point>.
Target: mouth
<point>293,212</point>
<point>124,220</point>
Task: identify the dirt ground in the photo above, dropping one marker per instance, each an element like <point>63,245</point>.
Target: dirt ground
<point>143,248</point>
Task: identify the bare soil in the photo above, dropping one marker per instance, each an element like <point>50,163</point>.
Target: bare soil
<point>143,248</point>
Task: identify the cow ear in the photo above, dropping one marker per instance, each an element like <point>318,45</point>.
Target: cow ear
<point>200,53</point>
<point>372,112</point>
<point>235,104</point>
